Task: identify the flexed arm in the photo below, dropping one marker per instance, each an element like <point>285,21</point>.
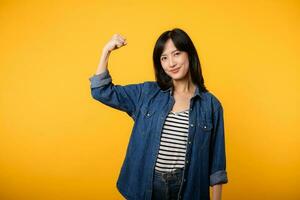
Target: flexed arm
<point>125,98</point>
<point>115,42</point>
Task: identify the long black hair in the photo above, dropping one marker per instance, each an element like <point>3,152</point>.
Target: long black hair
<point>182,42</point>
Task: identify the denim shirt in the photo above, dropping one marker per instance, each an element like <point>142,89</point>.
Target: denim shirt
<point>148,105</point>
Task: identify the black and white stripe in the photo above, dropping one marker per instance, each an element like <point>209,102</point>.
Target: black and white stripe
<point>173,142</point>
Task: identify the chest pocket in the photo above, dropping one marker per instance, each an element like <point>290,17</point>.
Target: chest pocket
<point>148,119</point>
<point>205,129</point>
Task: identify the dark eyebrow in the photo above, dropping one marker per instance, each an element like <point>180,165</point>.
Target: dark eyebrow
<point>171,52</point>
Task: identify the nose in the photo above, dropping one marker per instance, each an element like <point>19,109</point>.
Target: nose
<point>171,62</point>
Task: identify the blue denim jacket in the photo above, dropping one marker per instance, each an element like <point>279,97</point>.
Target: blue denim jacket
<point>148,105</point>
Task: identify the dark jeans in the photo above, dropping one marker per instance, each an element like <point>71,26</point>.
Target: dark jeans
<point>166,185</point>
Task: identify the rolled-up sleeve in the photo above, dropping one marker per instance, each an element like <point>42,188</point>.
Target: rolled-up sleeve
<point>100,79</point>
<point>218,173</point>
<point>122,97</point>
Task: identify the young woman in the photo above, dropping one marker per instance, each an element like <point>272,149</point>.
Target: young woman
<point>177,145</point>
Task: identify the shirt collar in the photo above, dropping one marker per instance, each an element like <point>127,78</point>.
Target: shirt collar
<point>197,91</point>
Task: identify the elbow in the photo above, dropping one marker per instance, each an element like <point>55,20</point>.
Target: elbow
<point>96,94</point>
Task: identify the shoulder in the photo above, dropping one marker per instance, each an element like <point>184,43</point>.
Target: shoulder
<point>151,86</point>
<point>151,90</point>
<point>212,100</point>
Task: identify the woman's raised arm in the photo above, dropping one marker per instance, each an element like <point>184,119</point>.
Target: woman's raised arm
<point>114,43</point>
<point>125,98</point>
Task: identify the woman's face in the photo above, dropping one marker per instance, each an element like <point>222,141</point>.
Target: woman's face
<point>174,62</point>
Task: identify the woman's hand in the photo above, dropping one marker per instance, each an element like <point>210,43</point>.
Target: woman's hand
<point>115,42</point>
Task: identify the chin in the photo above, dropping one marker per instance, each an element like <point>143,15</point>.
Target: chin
<point>177,77</point>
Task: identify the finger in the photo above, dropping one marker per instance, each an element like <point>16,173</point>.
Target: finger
<point>121,41</point>
<point>119,44</point>
<point>121,37</point>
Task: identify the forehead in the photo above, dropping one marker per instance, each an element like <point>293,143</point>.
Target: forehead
<point>169,47</point>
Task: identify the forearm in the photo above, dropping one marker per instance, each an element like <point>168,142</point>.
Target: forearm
<point>217,192</point>
<point>103,62</point>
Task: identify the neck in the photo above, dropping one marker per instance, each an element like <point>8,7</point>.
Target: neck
<point>184,86</point>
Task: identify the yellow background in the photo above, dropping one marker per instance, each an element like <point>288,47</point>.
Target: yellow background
<point>57,143</point>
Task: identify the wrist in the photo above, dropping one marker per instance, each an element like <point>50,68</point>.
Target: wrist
<point>105,51</point>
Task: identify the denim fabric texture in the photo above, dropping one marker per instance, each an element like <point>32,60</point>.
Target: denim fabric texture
<point>166,185</point>
<point>148,105</point>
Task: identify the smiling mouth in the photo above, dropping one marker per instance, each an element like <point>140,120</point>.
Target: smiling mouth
<point>175,70</point>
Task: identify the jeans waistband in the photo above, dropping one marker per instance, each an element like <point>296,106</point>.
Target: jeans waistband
<point>177,171</point>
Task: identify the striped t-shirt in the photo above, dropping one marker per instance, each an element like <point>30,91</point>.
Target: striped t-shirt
<point>173,142</point>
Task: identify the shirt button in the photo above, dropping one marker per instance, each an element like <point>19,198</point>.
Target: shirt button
<point>187,161</point>
<point>184,180</point>
<point>204,126</point>
<point>148,114</point>
<point>190,142</point>
<point>192,125</point>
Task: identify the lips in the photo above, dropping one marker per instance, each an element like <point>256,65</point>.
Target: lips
<point>175,70</point>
